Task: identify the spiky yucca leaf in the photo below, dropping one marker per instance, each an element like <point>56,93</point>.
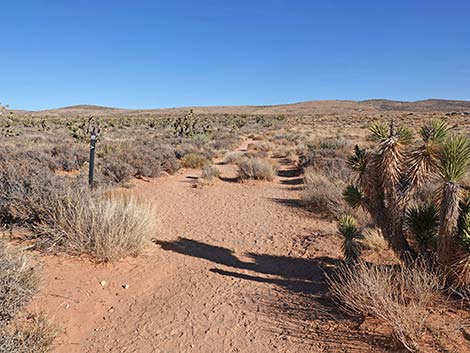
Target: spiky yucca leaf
<point>353,196</point>
<point>454,158</point>
<point>347,226</point>
<point>423,222</point>
<point>434,131</point>
<point>379,130</point>
<point>405,135</point>
<point>358,161</point>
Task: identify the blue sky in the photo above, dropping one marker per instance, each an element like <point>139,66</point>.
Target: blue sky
<point>149,54</point>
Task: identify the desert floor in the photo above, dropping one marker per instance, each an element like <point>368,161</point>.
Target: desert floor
<point>236,267</point>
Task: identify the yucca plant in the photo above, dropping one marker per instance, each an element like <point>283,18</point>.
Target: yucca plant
<point>460,262</point>
<point>348,228</point>
<point>388,176</point>
<point>423,222</point>
<point>454,161</point>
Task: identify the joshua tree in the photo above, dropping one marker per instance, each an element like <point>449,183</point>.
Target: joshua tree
<point>388,175</point>
<point>347,227</point>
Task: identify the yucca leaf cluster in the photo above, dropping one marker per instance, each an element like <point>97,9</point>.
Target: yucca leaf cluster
<point>387,176</point>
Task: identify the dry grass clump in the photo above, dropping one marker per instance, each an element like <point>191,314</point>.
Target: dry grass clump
<point>194,160</point>
<point>255,168</point>
<point>334,143</point>
<point>321,194</point>
<point>108,227</point>
<point>373,239</point>
<point>33,336</point>
<point>209,173</point>
<point>401,296</point>
<point>233,157</point>
<point>18,281</point>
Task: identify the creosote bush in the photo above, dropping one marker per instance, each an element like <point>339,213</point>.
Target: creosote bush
<point>255,168</point>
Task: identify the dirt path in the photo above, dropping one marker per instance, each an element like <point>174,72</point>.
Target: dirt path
<point>236,268</point>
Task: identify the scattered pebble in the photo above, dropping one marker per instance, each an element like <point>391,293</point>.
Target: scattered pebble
<point>125,286</point>
<point>103,283</point>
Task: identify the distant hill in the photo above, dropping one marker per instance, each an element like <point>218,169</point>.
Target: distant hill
<point>294,109</point>
<point>428,105</point>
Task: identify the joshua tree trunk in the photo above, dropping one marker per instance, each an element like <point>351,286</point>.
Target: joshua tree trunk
<point>448,217</point>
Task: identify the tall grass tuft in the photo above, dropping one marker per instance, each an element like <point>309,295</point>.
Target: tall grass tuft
<point>106,226</point>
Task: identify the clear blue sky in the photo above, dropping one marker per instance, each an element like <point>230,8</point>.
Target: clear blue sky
<point>148,54</point>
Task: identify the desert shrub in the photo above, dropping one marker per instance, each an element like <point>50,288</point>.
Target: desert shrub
<point>255,168</point>
<point>209,172</point>
<point>328,161</point>
<point>334,143</point>
<point>400,296</point>
<point>185,148</point>
<point>69,157</point>
<point>194,160</point>
<point>27,191</point>
<point>119,163</point>
<point>18,282</point>
<point>225,142</point>
<point>321,194</point>
<point>116,170</point>
<point>264,146</point>
<point>106,227</point>
<point>256,154</point>
<point>284,152</point>
<point>33,336</point>
<point>233,157</point>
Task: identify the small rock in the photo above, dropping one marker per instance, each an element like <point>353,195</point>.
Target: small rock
<point>125,286</point>
<point>103,283</point>
<point>111,309</point>
<point>67,306</point>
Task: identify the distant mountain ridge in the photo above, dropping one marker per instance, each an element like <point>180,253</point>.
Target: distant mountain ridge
<point>301,108</point>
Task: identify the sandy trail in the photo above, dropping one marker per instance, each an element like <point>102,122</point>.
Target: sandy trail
<point>236,268</point>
